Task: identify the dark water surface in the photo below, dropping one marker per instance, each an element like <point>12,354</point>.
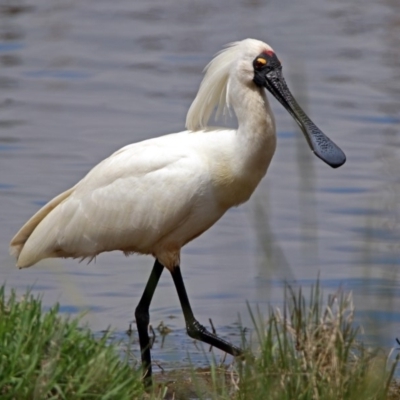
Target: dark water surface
<point>80,79</point>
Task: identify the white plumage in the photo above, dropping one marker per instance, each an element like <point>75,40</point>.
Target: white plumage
<point>155,196</point>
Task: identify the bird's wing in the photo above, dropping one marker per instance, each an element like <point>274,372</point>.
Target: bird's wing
<point>128,202</point>
<point>18,241</point>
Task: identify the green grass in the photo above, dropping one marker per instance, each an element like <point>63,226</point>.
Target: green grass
<point>44,356</point>
<point>309,350</point>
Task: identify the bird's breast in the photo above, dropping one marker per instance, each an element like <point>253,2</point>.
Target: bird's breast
<point>232,189</point>
<point>235,176</point>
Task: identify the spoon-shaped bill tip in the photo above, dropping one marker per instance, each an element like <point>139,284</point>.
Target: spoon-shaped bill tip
<point>323,147</point>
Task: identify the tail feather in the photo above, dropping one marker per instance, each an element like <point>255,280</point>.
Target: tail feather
<point>18,241</point>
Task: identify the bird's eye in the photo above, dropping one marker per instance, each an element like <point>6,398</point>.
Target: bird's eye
<point>259,63</point>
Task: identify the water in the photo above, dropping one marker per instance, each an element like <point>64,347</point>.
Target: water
<point>80,79</point>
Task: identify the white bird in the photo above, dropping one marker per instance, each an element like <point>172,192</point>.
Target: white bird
<point>155,196</point>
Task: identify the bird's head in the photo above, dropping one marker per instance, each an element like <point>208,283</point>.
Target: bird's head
<point>255,63</point>
<point>267,73</point>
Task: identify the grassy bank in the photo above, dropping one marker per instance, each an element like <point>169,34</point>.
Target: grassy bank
<point>46,356</point>
<point>309,350</point>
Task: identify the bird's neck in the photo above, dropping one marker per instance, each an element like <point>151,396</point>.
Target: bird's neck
<point>237,175</point>
<point>256,138</point>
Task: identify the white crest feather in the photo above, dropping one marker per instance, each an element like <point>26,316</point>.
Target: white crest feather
<point>214,89</point>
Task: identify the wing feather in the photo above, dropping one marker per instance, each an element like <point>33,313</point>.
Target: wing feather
<point>127,202</point>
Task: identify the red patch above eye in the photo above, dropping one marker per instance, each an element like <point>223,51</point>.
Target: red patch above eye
<point>268,52</point>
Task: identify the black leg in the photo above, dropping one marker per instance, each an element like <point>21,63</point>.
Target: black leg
<point>143,318</point>
<point>194,329</point>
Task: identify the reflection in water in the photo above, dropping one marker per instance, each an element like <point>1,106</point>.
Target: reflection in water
<point>388,198</point>
<point>307,177</point>
<point>81,79</point>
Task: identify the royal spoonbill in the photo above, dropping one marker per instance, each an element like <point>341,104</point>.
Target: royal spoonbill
<point>155,196</point>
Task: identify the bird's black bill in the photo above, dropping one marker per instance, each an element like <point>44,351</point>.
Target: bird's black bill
<point>319,143</point>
